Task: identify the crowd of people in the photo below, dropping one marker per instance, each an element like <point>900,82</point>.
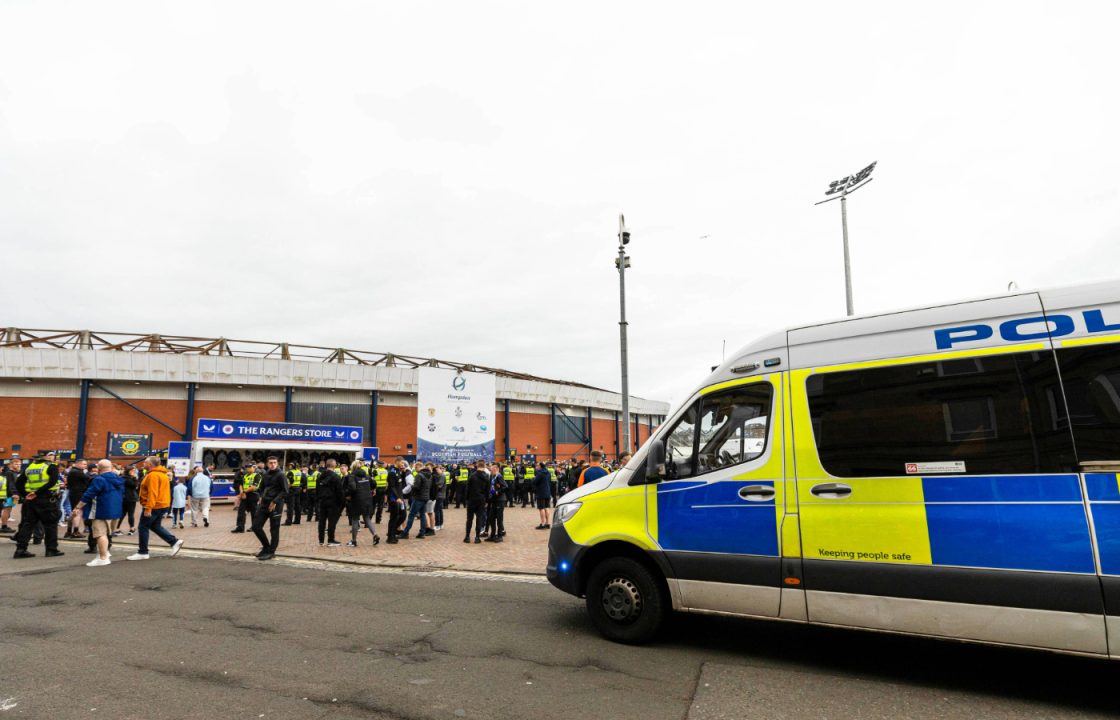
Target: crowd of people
<point>94,502</point>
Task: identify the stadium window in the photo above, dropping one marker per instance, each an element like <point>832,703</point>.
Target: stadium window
<point>569,429</point>
<point>1000,414</point>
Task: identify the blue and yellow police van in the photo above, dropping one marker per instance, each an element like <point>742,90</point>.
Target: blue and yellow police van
<point>947,471</point>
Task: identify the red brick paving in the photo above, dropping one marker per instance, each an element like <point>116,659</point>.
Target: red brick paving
<point>525,550</point>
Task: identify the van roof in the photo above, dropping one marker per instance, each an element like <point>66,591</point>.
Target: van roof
<point>908,332</point>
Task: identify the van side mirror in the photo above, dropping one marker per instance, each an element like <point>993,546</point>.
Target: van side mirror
<point>655,461</point>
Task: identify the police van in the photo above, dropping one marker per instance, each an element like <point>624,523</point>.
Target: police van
<point>947,471</point>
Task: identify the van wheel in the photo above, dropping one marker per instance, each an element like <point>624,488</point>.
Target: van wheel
<point>625,601</point>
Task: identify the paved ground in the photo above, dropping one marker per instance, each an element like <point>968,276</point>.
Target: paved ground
<point>219,638</point>
<point>524,550</point>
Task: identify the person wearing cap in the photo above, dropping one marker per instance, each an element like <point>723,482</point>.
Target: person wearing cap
<point>247,496</point>
<point>37,488</point>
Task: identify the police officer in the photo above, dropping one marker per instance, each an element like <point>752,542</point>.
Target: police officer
<point>464,474</point>
<point>381,487</point>
<point>273,489</point>
<point>311,497</point>
<point>509,477</point>
<point>37,489</point>
<point>529,475</point>
<point>295,489</point>
<point>248,496</point>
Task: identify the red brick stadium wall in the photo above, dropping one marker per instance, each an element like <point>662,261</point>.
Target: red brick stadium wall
<point>52,423</point>
<point>37,424</point>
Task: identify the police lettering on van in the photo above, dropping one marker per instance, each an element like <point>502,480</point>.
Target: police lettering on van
<point>846,473</point>
<point>1039,327</point>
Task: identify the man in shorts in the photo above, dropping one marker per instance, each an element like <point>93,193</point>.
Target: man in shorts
<point>101,503</point>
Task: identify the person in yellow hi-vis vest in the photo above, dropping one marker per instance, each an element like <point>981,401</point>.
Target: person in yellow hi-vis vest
<point>311,497</point>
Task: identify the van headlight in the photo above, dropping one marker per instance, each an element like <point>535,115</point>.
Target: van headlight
<point>565,512</point>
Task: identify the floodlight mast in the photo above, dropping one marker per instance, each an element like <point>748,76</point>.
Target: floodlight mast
<point>841,189</point>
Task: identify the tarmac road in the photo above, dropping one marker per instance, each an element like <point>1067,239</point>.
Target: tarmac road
<point>213,637</point>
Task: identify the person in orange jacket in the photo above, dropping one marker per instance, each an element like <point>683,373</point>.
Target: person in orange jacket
<point>155,499</point>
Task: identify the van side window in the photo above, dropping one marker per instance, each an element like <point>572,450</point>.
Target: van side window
<point>1091,377</point>
<point>680,446</point>
<point>733,427</point>
<point>718,431</point>
<point>996,415</point>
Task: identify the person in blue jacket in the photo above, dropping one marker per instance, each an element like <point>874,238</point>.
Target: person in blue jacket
<point>101,503</point>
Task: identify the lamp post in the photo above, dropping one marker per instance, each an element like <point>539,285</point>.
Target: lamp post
<point>622,262</point>
<point>841,189</point>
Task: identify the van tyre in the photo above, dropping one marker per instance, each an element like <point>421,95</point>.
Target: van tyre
<point>625,601</point>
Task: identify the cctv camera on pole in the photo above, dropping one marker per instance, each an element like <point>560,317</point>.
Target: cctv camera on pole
<point>622,262</point>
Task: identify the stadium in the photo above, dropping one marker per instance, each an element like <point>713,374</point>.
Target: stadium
<point>91,394</point>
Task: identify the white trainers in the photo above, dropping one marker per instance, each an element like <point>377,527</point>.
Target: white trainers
<point>138,556</point>
<point>176,548</point>
<point>98,562</point>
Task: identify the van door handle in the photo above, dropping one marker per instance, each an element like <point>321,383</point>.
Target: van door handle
<point>756,493</point>
<point>831,490</point>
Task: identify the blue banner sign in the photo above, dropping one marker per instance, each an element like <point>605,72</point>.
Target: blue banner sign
<point>211,429</point>
<point>371,454</point>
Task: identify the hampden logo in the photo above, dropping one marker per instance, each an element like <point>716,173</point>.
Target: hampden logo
<point>459,383</point>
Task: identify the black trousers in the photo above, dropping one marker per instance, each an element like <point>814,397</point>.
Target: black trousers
<point>247,506</point>
<point>31,515</point>
<point>378,504</point>
<point>293,507</point>
<point>328,521</point>
<point>396,517</point>
<point>496,517</point>
<point>272,517</point>
<point>310,502</point>
<point>460,494</point>
<point>357,514</point>
<point>476,511</point>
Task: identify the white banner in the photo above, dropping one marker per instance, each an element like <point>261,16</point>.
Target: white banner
<point>454,416</point>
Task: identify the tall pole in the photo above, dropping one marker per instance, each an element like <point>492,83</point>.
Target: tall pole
<point>841,189</point>
<point>847,259</point>
<point>623,238</point>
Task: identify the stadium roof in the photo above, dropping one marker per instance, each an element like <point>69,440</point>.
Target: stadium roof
<point>221,346</point>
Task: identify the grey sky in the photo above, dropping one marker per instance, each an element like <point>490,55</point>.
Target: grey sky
<point>457,168</point>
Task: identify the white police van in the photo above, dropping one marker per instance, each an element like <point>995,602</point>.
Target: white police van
<point>947,471</point>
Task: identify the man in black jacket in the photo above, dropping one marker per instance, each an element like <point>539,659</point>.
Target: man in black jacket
<point>478,492</point>
<point>394,493</point>
<point>76,483</point>
<point>495,513</point>
<point>330,497</point>
<point>418,497</point>
<point>359,502</point>
<point>273,490</point>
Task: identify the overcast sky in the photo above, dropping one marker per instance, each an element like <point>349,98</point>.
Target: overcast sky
<point>444,178</point>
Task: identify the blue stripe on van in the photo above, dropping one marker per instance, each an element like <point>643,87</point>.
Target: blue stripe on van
<point>1102,486</point>
<point>1015,537</point>
<point>732,526</point>
<point>1106,521</point>
<point>1001,488</point>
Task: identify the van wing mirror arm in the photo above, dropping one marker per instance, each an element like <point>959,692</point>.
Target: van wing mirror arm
<point>655,462</point>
